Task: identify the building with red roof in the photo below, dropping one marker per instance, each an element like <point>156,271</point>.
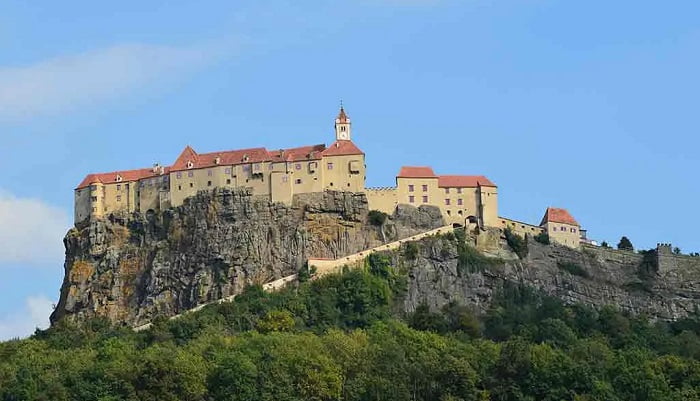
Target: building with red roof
<point>460,198</point>
<point>279,174</point>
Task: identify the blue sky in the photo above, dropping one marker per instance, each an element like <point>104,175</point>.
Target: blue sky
<point>590,105</point>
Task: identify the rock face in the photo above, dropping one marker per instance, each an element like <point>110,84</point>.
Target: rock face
<point>659,284</point>
<point>132,268</point>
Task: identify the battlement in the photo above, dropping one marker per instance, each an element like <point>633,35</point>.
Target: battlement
<point>664,248</point>
<point>381,189</point>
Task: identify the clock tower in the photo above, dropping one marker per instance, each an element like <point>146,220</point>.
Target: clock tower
<point>342,126</point>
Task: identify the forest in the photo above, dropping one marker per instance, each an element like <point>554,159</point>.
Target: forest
<point>345,337</point>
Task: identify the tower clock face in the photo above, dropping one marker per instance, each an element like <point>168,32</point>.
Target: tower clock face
<point>343,135</point>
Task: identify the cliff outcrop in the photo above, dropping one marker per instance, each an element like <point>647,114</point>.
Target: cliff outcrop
<point>657,283</point>
<point>131,268</point>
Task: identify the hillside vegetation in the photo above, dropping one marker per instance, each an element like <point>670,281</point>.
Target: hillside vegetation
<point>343,337</point>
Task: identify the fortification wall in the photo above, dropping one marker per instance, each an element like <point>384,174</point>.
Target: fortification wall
<point>383,199</point>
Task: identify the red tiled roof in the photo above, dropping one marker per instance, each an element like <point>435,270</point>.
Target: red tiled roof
<point>464,181</point>
<point>126,176</point>
<point>416,172</point>
<point>312,152</point>
<point>557,215</point>
<point>342,117</point>
<point>342,148</point>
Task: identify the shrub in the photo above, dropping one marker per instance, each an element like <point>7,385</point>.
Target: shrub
<point>377,218</point>
<point>516,243</point>
<point>573,268</point>
<point>625,244</point>
<point>472,261</point>
<point>411,251</point>
<point>542,238</point>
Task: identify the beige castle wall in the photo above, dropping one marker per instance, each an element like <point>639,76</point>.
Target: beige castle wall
<point>305,176</point>
<point>382,199</point>
<point>340,177</point>
<point>489,205</point>
<point>564,234</point>
<point>519,227</point>
<point>281,187</point>
<point>118,197</point>
<point>454,212</point>
<point>150,191</point>
<point>431,190</point>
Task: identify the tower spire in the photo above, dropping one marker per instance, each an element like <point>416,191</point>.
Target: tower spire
<point>342,125</point>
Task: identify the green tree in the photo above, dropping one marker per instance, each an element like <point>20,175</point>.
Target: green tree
<point>625,244</point>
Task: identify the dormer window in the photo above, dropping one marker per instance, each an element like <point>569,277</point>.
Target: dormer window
<point>217,160</point>
<point>245,158</point>
<point>190,164</point>
<point>119,178</point>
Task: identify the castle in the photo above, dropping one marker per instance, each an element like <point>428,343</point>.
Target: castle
<point>281,174</point>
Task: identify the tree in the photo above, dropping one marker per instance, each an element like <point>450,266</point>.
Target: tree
<point>605,244</point>
<point>542,238</point>
<point>676,251</point>
<point>625,244</point>
<point>377,218</point>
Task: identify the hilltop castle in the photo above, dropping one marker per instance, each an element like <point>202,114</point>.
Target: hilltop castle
<point>280,174</point>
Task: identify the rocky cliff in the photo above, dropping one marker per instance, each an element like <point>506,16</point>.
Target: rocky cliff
<point>657,283</point>
<point>131,268</point>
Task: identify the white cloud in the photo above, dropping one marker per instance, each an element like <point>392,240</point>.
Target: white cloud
<point>68,82</point>
<point>31,231</point>
<point>22,323</point>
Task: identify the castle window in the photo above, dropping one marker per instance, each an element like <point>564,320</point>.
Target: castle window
<point>190,164</point>
<point>459,190</point>
<point>256,167</point>
<point>331,184</point>
<point>93,198</point>
<point>191,185</point>
<point>179,187</point>
<point>94,209</point>
<point>447,190</point>
<point>342,128</point>
<point>459,212</point>
<point>411,199</point>
<point>119,187</point>
<point>447,202</point>
<point>190,173</point>
<point>246,167</point>
<point>425,188</point>
<point>208,183</point>
<point>459,201</point>
<point>178,175</point>
<point>209,173</point>
<point>425,199</point>
<point>410,188</point>
<point>449,213</point>
<point>165,179</point>
<point>330,166</point>
<point>297,166</point>
<point>228,181</point>
<point>554,229</point>
<point>119,198</point>
<point>297,181</point>
<point>228,170</point>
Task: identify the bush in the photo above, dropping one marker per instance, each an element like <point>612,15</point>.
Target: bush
<point>411,251</point>
<point>377,218</point>
<point>516,243</point>
<point>625,244</point>
<point>542,238</point>
<point>573,268</point>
